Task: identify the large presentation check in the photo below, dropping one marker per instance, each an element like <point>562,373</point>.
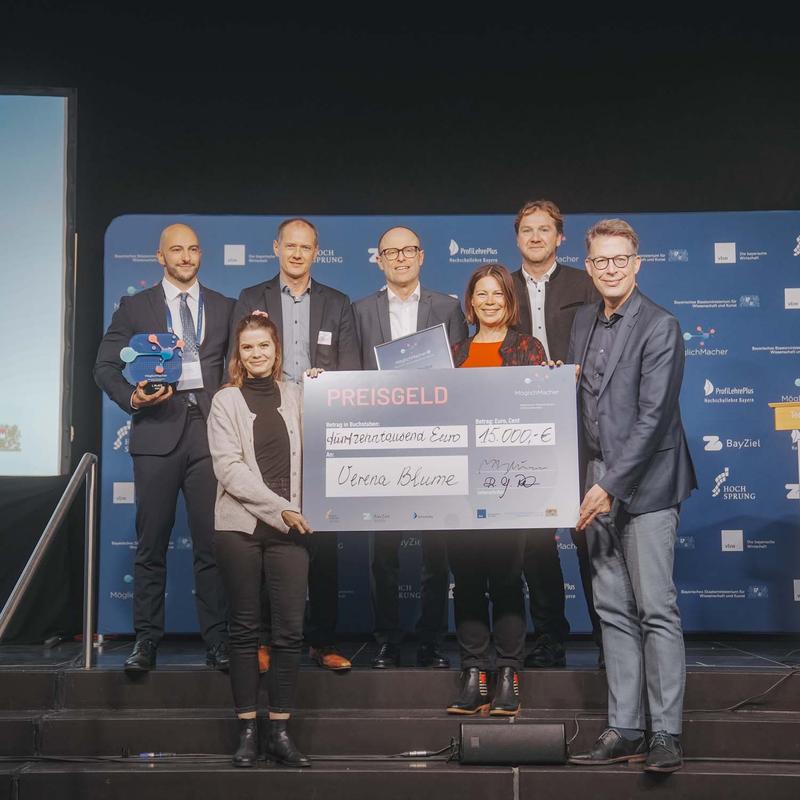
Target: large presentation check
<point>441,449</point>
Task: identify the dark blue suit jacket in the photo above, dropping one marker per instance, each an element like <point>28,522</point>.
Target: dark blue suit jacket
<point>641,435</point>
<point>155,431</point>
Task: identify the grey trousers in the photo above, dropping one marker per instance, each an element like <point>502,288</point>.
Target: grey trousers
<point>632,558</point>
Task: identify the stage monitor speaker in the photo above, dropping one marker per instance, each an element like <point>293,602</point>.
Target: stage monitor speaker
<point>513,743</point>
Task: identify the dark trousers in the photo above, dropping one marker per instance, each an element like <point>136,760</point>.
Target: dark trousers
<point>281,561</point>
<point>434,583</point>
<point>158,479</point>
<point>490,561</point>
<point>323,590</point>
<point>542,567</point>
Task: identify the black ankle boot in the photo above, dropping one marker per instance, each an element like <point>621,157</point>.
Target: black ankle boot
<point>506,694</point>
<point>474,696</point>
<point>281,748</point>
<point>246,753</point>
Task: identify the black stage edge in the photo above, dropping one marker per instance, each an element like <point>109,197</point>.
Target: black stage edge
<point>73,733</point>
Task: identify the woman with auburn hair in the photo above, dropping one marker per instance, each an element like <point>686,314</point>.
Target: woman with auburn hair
<point>490,558</point>
<point>254,434</point>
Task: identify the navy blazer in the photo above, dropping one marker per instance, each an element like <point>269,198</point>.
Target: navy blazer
<point>374,327</point>
<point>567,290</point>
<point>642,439</point>
<point>330,311</point>
<point>155,431</point>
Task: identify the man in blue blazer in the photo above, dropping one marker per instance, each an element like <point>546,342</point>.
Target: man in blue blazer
<point>638,471</point>
<point>168,441</point>
<point>402,307</point>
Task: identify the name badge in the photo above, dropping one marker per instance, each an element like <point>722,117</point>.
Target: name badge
<point>324,337</point>
<point>191,376</point>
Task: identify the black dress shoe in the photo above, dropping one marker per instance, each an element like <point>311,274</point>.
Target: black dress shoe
<point>429,656</point>
<point>611,748</point>
<point>474,695</point>
<point>505,702</point>
<point>547,653</point>
<point>246,753</point>
<point>281,748</point>
<point>143,657</point>
<point>665,754</point>
<point>388,656</point>
<point>218,657</point>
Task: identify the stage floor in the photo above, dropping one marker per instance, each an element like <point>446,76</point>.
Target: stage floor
<point>98,733</point>
<point>754,653</point>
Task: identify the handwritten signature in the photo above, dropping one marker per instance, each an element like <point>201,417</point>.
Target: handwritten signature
<point>522,482</point>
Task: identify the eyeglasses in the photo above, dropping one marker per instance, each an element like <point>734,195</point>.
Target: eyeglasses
<point>392,253</point>
<point>620,262</point>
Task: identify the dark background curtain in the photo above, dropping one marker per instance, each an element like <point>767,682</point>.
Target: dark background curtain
<point>227,110</point>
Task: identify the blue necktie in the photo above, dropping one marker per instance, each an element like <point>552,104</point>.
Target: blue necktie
<point>191,351</point>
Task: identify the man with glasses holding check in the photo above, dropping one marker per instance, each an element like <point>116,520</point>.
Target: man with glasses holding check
<point>638,471</point>
<point>402,307</point>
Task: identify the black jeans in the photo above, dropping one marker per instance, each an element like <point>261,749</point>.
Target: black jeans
<point>545,579</point>
<point>492,560</point>
<point>282,560</point>
<point>434,585</point>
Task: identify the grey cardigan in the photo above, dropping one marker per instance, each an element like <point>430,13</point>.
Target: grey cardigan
<point>242,496</point>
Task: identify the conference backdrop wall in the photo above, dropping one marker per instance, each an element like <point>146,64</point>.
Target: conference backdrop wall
<point>733,281</point>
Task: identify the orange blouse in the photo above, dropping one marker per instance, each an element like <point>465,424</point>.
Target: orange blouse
<point>484,354</point>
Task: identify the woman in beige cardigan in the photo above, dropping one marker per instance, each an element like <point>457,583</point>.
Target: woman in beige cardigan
<point>254,433</point>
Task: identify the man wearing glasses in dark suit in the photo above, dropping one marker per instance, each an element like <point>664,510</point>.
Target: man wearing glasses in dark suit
<point>402,307</point>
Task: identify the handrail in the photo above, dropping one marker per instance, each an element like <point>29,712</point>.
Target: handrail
<point>87,468</point>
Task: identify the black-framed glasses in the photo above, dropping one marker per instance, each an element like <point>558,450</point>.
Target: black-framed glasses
<point>620,262</point>
<point>392,253</point>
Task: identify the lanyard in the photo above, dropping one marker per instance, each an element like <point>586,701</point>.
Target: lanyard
<point>200,308</point>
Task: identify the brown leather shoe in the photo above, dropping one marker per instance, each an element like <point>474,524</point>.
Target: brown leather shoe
<point>263,658</point>
<point>329,658</point>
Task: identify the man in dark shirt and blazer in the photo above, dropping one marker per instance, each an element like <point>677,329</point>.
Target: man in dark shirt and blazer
<point>168,441</point>
<point>402,307</point>
<point>317,330</point>
<point>549,294</point>
<point>637,471</point>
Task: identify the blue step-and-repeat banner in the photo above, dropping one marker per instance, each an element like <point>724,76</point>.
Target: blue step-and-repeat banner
<point>733,281</point>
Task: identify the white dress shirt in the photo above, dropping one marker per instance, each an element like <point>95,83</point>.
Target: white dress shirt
<point>173,293</point>
<point>403,313</point>
<point>536,295</point>
<point>192,376</point>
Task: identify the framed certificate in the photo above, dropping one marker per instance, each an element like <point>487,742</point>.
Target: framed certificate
<point>428,349</point>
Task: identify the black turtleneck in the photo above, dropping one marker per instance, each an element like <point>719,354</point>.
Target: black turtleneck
<point>270,438</point>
